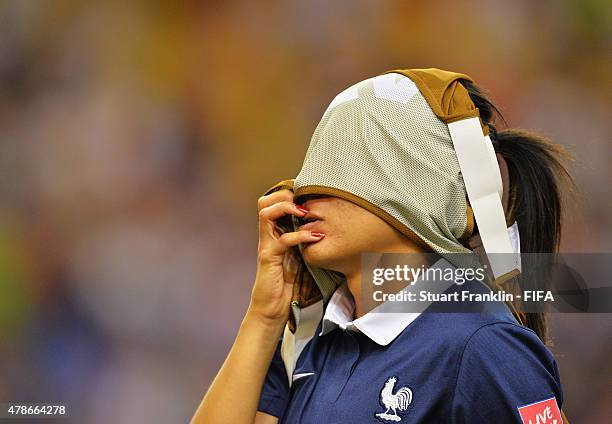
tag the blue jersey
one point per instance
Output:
(435, 367)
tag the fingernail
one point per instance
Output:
(301, 208)
(316, 234)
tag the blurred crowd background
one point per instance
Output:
(135, 138)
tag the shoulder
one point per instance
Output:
(502, 367)
(455, 330)
(505, 345)
(488, 340)
(458, 322)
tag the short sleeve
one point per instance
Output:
(275, 391)
(503, 367)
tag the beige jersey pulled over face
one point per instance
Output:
(384, 144)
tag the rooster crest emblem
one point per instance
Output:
(398, 401)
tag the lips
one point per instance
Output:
(309, 222)
(309, 225)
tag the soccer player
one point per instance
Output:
(407, 161)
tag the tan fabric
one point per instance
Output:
(448, 99)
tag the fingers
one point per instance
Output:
(268, 216)
(276, 197)
(289, 240)
(278, 210)
(271, 208)
(296, 237)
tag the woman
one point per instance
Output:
(397, 165)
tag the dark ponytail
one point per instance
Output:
(538, 180)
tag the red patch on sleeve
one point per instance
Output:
(543, 412)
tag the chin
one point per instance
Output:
(314, 254)
(320, 256)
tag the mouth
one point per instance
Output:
(307, 223)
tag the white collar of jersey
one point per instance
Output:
(380, 325)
